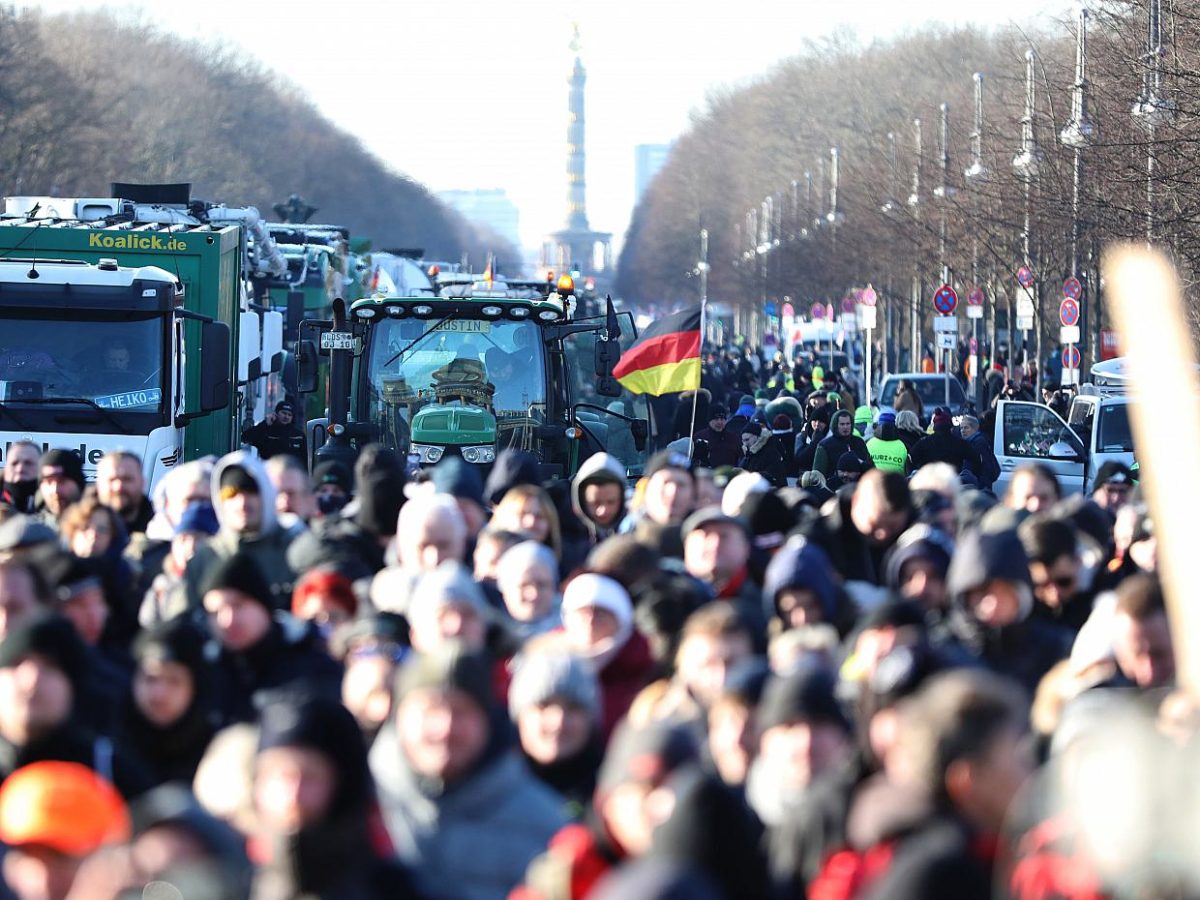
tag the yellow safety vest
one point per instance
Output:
(890, 456)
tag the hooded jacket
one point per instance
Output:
(1025, 649)
(472, 840)
(268, 546)
(943, 445)
(832, 446)
(599, 468)
(800, 564)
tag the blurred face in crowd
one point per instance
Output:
(453, 620)
(40, 873)
(983, 787)
(367, 685)
(845, 425)
(35, 698)
(732, 740)
(94, 537)
(1030, 491)
(603, 502)
(716, 552)
(119, 483)
(443, 732)
(967, 430)
(1144, 554)
(872, 517)
(1143, 650)
(293, 494)
(57, 490)
(848, 477)
(436, 539)
(799, 607)
(180, 495)
(184, 544)
(707, 492)
(1056, 583)
(632, 811)
(22, 463)
(529, 596)
(241, 510)
(323, 610)
(524, 514)
(488, 550)
(555, 730)
(923, 581)
(704, 662)
(238, 620)
(18, 601)
(996, 604)
(163, 690)
(1112, 496)
(670, 496)
(293, 787)
(88, 612)
(798, 752)
(589, 627)
(717, 424)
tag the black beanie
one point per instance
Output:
(178, 641)
(69, 575)
(451, 668)
(804, 695)
(52, 637)
(70, 462)
(239, 572)
(332, 472)
(379, 480)
(645, 755)
(294, 718)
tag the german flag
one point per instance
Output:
(666, 358)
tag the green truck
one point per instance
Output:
(85, 282)
(473, 370)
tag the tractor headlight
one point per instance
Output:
(482, 455)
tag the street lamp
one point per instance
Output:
(1027, 165)
(1077, 134)
(976, 175)
(1152, 111)
(914, 201)
(891, 205)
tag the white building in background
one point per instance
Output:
(490, 207)
(647, 160)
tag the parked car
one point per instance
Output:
(931, 388)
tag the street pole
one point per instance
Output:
(1027, 165)
(834, 216)
(889, 208)
(944, 192)
(1152, 110)
(914, 201)
(702, 271)
(1077, 135)
(975, 175)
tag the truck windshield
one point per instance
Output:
(932, 391)
(1115, 434)
(496, 365)
(116, 363)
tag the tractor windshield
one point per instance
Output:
(493, 365)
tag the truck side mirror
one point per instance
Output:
(608, 354)
(214, 370)
(295, 314)
(307, 365)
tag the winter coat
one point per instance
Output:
(767, 457)
(268, 546)
(290, 653)
(724, 446)
(989, 467)
(800, 563)
(472, 840)
(171, 753)
(831, 448)
(72, 742)
(277, 439)
(851, 553)
(945, 446)
(622, 679)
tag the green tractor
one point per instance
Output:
(472, 370)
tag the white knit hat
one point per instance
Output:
(602, 592)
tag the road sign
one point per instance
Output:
(818, 311)
(1025, 277)
(947, 341)
(868, 315)
(1070, 357)
(1068, 311)
(1069, 376)
(974, 312)
(945, 300)
(1072, 288)
(848, 304)
(1024, 323)
(869, 297)
(973, 345)
(1068, 334)
(788, 311)
(849, 321)
(1025, 303)
(947, 324)
(976, 297)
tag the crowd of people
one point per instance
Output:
(833, 679)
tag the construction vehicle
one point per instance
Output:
(96, 290)
(479, 367)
